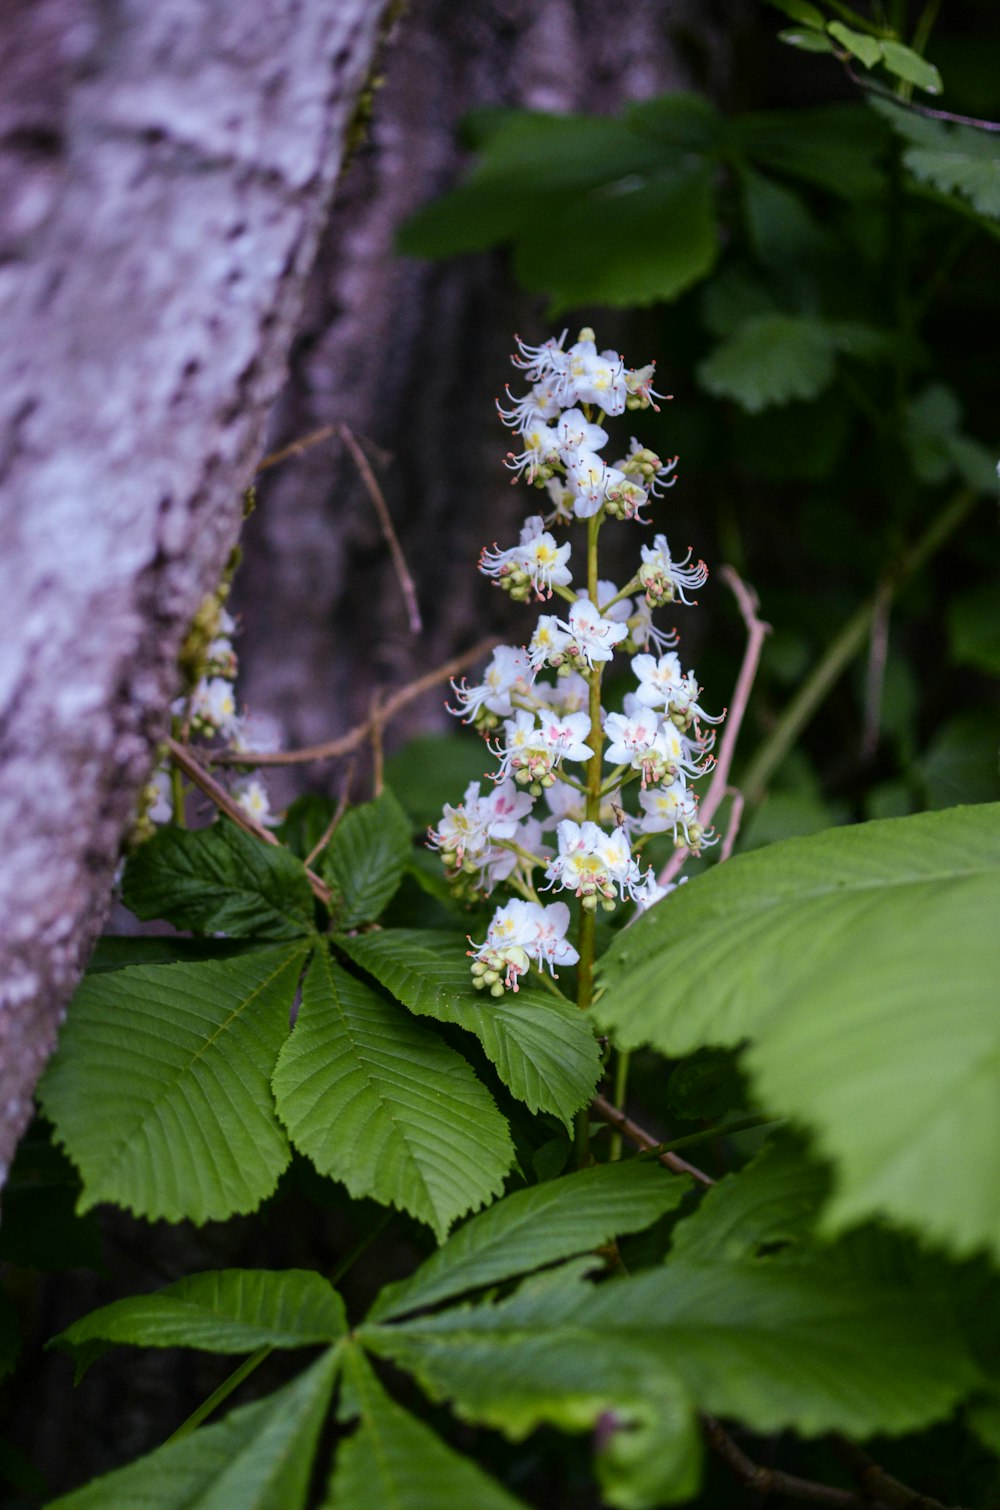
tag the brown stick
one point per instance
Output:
(195, 771)
(602, 1108)
(774, 1480)
(757, 632)
(314, 438)
(385, 520)
(345, 743)
(334, 823)
(878, 1484)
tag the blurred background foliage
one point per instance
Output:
(819, 282)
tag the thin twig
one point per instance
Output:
(878, 655)
(385, 520)
(195, 771)
(757, 632)
(305, 443)
(334, 823)
(603, 1109)
(878, 1484)
(773, 1480)
(910, 106)
(345, 743)
(378, 754)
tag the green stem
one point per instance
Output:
(844, 647)
(707, 1134)
(621, 1091)
(217, 1396)
(177, 780)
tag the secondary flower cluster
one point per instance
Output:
(210, 712)
(538, 705)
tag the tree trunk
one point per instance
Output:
(165, 172)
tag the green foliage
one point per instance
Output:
(367, 858)
(219, 880)
(259, 1457)
(385, 1106)
(535, 1227)
(179, 1059)
(223, 1311)
(391, 1461)
(828, 953)
(543, 1049)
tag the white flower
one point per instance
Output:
(672, 808)
(536, 559)
(665, 580)
(213, 706)
(564, 734)
(659, 679)
(159, 796)
(466, 834)
(571, 694)
(631, 737)
(590, 480)
(595, 865)
(641, 393)
(655, 475)
(524, 753)
(509, 671)
(542, 403)
(577, 434)
(251, 794)
(539, 363)
(519, 933)
(594, 378)
(548, 643)
(256, 731)
(642, 630)
(592, 636)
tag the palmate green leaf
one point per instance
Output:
(568, 1376)
(772, 359)
(160, 1088)
(259, 1457)
(957, 160)
(858, 43)
(544, 1050)
(392, 1461)
(535, 1227)
(862, 964)
(775, 1346)
(367, 858)
(222, 1311)
(219, 880)
(385, 1106)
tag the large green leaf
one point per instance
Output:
(836, 147)
(392, 1461)
(862, 964)
(160, 1088)
(957, 160)
(367, 858)
(544, 1049)
(772, 359)
(219, 880)
(223, 1311)
(535, 1227)
(385, 1106)
(775, 1346)
(259, 1458)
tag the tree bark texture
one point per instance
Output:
(412, 354)
(165, 173)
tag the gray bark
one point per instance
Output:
(165, 172)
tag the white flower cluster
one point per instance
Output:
(539, 725)
(210, 711)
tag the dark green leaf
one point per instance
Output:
(974, 626)
(831, 146)
(219, 880)
(961, 762)
(544, 1049)
(535, 1227)
(259, 1458)
(306, 821)
(957, 160)
(392, 1461)
(909, 65)
(858, 44)
(775, 1200)
(707, 1085)
(178, 1059)
(770, 360)
(223, 1311)
(800, 10)
(857, 961)
(805, 41)
(367, 858)
(385, 1106)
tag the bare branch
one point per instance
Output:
(195, 771)
(602, 1108)
(296, 447)
(357, 736)
(757, 632)
(385, 520)
(772, 1480)
(878, 1484)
